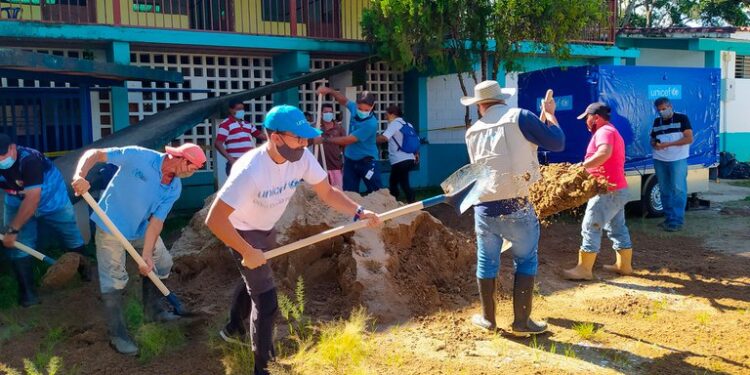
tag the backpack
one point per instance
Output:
(411, 139)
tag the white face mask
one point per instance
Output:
(240, 115)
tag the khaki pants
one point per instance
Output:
(111, 256)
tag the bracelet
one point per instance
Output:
(358, 214)
(9, 230)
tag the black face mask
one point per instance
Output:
(288, 153)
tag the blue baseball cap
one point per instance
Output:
(287, 118)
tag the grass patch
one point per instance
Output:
(741, 183)
(293, 311)
(133, 312)
(342, 348)
(8, 290)
(154, 339)
(570, 352)
(586, 331)
(703, 318)
(53, 367)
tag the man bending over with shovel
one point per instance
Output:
(137, 200)
(34, 192)
(505, 139)
(248, 206)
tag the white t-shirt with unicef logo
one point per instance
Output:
(259, 189)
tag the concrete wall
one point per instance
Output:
(736, 138)
(670, 57)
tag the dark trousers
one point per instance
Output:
(366, 170)
(400, 177)
(255, 297)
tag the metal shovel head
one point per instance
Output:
(465, 186)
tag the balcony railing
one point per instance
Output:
(322, 19)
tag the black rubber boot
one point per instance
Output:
(25, 276)
(523, 293)
(85, 269)
(152, 307)
(118, 332)
(487, 296)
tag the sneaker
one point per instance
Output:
(236, 339)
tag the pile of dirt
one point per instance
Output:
(411, 265)
(564, 186)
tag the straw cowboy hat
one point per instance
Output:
(488, 91)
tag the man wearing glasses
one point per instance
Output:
(246, 209)
(137, 199)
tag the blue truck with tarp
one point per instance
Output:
(630, 91)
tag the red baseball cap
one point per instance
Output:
(190, 151)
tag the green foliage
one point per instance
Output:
(300, 326)
(678, 13)
(154, 339)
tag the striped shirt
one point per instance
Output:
(237, 136)
(670, 131)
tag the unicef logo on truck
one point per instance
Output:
(564, 103)
(671, 92)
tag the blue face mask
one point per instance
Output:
(328, 116)
(362, 114)
(239, 115)
(7, 163)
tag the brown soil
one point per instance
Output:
(686, 310)
(62, 272)
(563, 187)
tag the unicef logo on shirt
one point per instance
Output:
(665, 91)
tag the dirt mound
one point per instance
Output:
(64, 270)
(409, 266)
(564, 186)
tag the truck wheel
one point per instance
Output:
(651, 199)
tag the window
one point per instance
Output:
(742, 67)
(278, 11)
(160, 6)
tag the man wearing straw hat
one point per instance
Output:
(246, 209)
(505, 139)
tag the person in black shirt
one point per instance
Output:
(671, 137)
(34, 191)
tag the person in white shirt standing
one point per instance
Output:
(236, 136)
(248, 206)
(671, 137)
(402, 162)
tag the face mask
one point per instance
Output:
(667, 113)
(239, 115)
(361, 114)
(290, 154)
(7, 163)
(328, 116)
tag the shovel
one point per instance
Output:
(171, 297)
(462, 189)
(60, 273)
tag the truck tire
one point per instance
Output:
(651, 199)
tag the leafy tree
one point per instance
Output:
(477, 37)
(677, 13)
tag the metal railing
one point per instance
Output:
(322, 19)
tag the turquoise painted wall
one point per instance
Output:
(738, 144)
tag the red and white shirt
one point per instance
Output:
(237, 136)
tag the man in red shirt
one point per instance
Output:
(605, 157)
(235, 135)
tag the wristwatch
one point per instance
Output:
(9, 230)
(358, 214)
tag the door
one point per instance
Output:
(69, 11)
(322, 18)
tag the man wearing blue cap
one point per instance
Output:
(248, 206)
(34, 191)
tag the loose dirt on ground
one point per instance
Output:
(686, 310)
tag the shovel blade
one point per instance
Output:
(465, 186)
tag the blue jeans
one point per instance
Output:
(358, 170)
(520, 228)
(672, 178)
(63, 221)
(607, 212)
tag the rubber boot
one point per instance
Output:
(623, 264)
(25, 276)
(486, 320)
(153, 310)
(523, 294)
(118, 332)
(85, 269)
(583, 270)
